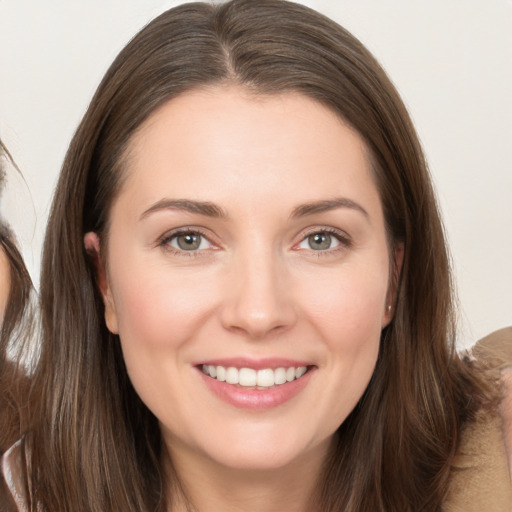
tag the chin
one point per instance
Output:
(263, 461)
(264, 453)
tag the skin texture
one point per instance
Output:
(255, 288)
(5, 280)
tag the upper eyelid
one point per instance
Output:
(168, 235)
(343, 235)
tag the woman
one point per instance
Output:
(246, 295)
(15, 290)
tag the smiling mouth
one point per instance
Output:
(255, 379)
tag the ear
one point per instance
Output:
(394, 278)
(92, 246)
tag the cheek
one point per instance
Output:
(159, 310)
(350, 302)
(159, 316)
(347, 311)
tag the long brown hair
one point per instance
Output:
(14, 327)
(93, 444)
(15, 336)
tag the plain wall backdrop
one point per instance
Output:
(451, 60)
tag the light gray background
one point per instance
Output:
(450, 59)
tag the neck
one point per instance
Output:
(205, 486)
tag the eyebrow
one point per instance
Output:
(212, 210)
(304, 210)
(201, 207)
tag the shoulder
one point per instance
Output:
(481, 474)
(480, 478)
(506, 410)
(496, 350)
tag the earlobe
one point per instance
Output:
(92, 246)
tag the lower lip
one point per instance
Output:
(256, 399)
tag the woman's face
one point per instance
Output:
(247, 240)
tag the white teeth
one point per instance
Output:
(300, 371)
(248, 377)
(279, 376)
(232, 375)
(221, 373)
(266, 378)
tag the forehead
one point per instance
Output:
(226, 143)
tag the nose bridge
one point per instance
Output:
(259, 302)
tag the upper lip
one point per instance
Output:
(256, 364)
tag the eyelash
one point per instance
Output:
(164, 241)
(341, 237)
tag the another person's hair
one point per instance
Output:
(93, 444)
(15, 329)
(12, 327)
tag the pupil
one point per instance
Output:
(320, 241)
(189, 241)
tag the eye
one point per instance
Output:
(187, 241)
(320, 241)
(324, 240)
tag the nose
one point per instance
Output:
(259, 300)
